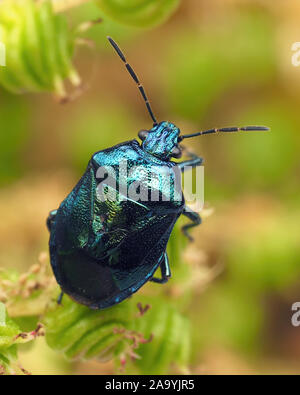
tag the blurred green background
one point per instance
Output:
(213, 63)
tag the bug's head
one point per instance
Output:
(161, 141)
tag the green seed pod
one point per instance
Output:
(170, 347)
(140, 13)
(81, 333)
(38, 48)
(125, 332)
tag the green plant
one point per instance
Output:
(10, 337)
(40, 48)
(147, 333)
(140, 13)
(40, 44)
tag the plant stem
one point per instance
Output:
(64, 5)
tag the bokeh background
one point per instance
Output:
(213, 63)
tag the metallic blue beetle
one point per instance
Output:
(104, 250)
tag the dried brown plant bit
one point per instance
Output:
(40, 331)
(77, 92)
(23, 278)
(85, 26)
(43, 258)
(28, 336)
(35, 269)
(123, 361)
(22, 335)
(24, 371)
(135, 337)
(143, 310)
(3, 296)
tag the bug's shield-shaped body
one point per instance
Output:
(101, 250)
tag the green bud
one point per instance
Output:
(39, 48)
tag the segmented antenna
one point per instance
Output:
(134, 77)
(226, 130)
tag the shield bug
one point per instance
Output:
(105, 241)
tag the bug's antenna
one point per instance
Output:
(134, 77)
(226, 130)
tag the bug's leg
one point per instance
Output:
(194, 217)
(194, 161)
(51, 219)
(60, 299)
(165, 271)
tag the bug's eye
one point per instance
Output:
(176, 153)
(143, 134)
